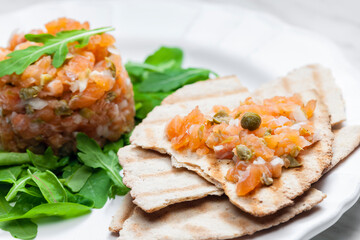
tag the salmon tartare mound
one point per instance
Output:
(46, 106)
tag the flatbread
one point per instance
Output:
(136, 160)
(124, 212)
(346, 140)
(204, 94)
(155, 184)
(208, 218)
(305, 78)
(206, 89)
(265, 200)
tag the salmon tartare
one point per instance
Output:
(46, 106)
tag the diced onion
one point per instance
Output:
(259, 161)
(297, 126)
(277, 161)
(299, 115)
(102, 73)
(218, 148)
(280, 121)
(37, 103)
(114, 50)
(79, 85)
(234, 122)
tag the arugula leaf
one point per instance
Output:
(72, 167)
(19, 185)
(172, 80)
(47, 161)
(117, 191)
(50, 186)
(53, 45)
(97, 188)
(25, 203)
(137, 69)
(10, 174)
(77, 198)
(148, 102)
(63, 209)
(78, 179)
(22, 228)
(4, 206)
(32, 191)
(12, 158)
(166, 58)
(163, 59)
(92, 156)
(114, 146)
(126, 138)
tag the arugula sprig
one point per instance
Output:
(57, 46)
(159, 76)
(47, 185)
(92, 156)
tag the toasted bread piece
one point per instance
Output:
(124, 212)
(346, 140)
(206, 89)
(305, 78)
(209, 218)
(155, 184)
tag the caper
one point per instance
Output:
(86, 112)
(295, 151)
(110, 64)
(250, 121)
(267, 132)
(266, 180)
(243, 152)
(29, 92)
(63, 109)
(290, 161)
(110, 96)
(221, 116)
(37, 121)
(29, 109)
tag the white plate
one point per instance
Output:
(229, 40)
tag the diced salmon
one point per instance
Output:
(284, 129)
